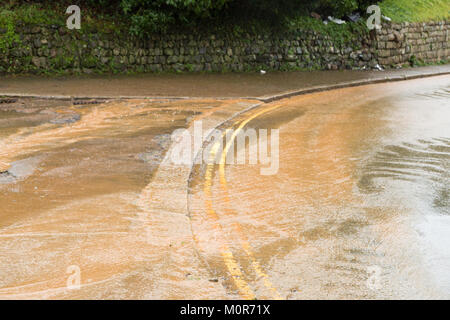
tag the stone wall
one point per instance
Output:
(398, 44)
(57, 49)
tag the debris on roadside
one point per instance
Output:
(7, 100)
(86, 102)
(354, 17)
(335, 20)
(378, 67)
(386, 18)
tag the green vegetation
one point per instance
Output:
(416, 10)
(143, 17)
(238, 18)
(32, 14)
(149, 16)
(339, 33)
(9, 35)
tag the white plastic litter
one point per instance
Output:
(337, 21)
(263, 72)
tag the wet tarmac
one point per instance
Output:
(69, 194)
(359, 207)
(196, 85)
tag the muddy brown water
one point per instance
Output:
(69, 192)
(358, 209)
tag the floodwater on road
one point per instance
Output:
(70, 182)
(359, 207)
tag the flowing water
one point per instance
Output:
(70, 182)
(358, 209)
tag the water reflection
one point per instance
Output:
(363, 184)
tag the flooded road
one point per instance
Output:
(359, 207)
(70, 188)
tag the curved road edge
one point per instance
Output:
(370, 78)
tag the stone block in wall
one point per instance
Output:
(306, 50)
(391, 45)
(441, 54)
(381, 45)
(39, 62)
(290, 58)
(430, 55)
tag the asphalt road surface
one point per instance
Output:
(356, 204)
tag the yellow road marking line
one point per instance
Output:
(228, 258)
(244, 242)
(230, 262)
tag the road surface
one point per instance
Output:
(92, 207)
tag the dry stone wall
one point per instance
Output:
(399, 44)
(51, 49)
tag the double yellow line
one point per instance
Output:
(230, 262)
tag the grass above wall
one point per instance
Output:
(15, 14)
(37, 14)
(416, 10)
(54, 14)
